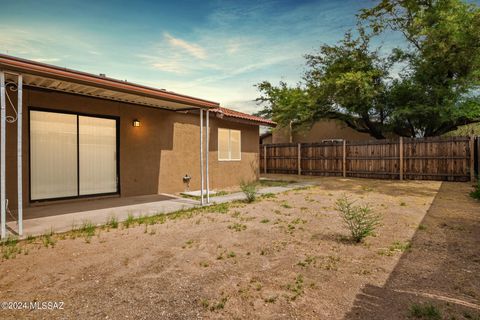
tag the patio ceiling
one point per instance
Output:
(50, 77)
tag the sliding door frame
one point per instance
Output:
(78, 114)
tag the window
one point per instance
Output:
(229, 144)
(72, 155)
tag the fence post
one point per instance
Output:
(472, 158)
(344, 160)
(265, 158)
(400, 151)
(478, 156)
(299, 158)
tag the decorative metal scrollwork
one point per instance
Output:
(12, 86)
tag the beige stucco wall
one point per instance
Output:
(184, 156)
(321, 130)
(153, 157)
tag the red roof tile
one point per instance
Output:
(244, 116)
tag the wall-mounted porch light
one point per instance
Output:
(136, 123)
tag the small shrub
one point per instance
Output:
(425, 311)
(476, 191)
(361, 221)
(250, 191)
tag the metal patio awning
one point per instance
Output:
(51, 77)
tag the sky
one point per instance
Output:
(216, 50)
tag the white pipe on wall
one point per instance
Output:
(3, 123)
(19, 154)
(201, 157)
(208, 149)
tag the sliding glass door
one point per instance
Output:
(72, 155)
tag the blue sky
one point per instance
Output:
(215, 50)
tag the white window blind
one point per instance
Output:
(98, 155)
(53, 155)
(229, 144)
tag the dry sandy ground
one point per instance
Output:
(279, 258)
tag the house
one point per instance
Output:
(325, 129)
(68, 135)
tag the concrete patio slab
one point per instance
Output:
(58, 223)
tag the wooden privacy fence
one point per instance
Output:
(436, 158)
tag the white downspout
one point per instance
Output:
(208, 149)
(2, 154)
(201, 157)
(19, 154)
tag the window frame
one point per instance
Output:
(229, 159)
(77, 114)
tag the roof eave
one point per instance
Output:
(40, 69)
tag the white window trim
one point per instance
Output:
(229, 145)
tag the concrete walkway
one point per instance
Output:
(66, 222)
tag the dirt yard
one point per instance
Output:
(283, 257)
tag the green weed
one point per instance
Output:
(425, 311)
(237, 227)
(112, 222)
(296, 287)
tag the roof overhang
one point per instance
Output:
(238, 116)
(50, 77)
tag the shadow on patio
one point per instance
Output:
(441, 269)
(51, 209)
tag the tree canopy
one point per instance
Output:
(426, 86)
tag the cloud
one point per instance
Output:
(192, 49)
(170, 66)
(46, 60)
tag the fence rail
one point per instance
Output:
(439, 158)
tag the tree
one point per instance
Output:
(350, 79)
(285, 105)
(434, 92)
